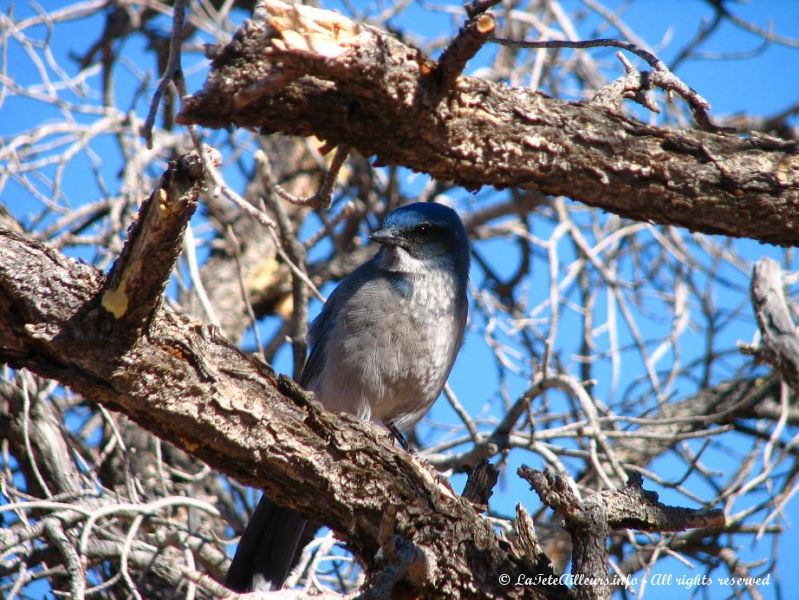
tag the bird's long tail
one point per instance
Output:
(266, 549)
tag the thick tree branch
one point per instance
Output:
(308, 72)
(185, 384)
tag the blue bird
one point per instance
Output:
(382, 349)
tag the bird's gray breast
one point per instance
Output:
(395, 339)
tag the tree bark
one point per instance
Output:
(111, 339)
(177, 378)
(307, 72)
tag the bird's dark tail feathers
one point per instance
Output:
(266, 549)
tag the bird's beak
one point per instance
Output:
(389, 237)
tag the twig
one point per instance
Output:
(324, 197)
(211, 159)
(123, 559)
(478, 7)
(661, 77)
(172, 72)
(245, 295)
(471, 37)
(299, 290)
(780, 346)
(461, 412)
(77, 581)
(190, 254)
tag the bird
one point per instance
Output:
(382, 349)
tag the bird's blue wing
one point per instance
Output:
(323, 325)
(317, 335)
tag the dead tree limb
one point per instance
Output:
(780, 347)
(590, 520)
(180, 380)
(304, 71)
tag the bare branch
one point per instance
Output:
(780, 341)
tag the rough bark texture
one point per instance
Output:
(99, 499)
(182, 382)
(590, 520)
(316, 73)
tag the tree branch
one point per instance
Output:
(589, 522)
(780, 346)
(185, 384)
(134, 288)
(306, 72)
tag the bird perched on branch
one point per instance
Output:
(382, 349)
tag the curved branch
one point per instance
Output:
(780, 346)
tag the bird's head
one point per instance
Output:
(424, 235)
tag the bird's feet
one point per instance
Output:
(397, 435)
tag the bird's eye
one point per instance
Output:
(423, 229)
